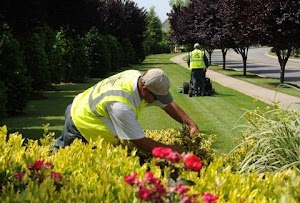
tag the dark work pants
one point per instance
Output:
(198, 80)
(70, 132)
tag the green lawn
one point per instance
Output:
(219, 114)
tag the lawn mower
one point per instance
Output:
(187, 88)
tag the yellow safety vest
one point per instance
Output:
(89, 107)
(197, 59)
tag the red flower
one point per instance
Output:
(161, 152)
(38, 164)
(209, 198)
(19, 176)
(192, 162)
(144, 194)
(131, 179)
(174, 157)
(56, 176)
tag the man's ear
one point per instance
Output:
(144, 89)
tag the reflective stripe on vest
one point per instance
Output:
(197, 59)
(93, 102)
(88, 108)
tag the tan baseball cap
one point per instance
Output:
(196, 45)
(157, 81)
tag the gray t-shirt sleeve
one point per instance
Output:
(124, 121)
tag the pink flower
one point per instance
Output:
(131, 179)
(56, 176)
(174, 157)
(161, 152)
(144, 194)
(189, 199)
(48, 165)
(181, 189)
(192, 162)
(209, 198)
(160, 189)
(38, 164)
(19, 176)
(149, 177)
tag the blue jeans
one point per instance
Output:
(69, 133)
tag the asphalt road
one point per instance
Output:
(261, 63)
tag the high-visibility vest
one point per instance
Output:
(197, 59)
(88, 108)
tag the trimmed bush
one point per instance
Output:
(13, 74)
(3, 100)
(95, 172)
(37, 63)
(98, 53)
(116, 52)
(79, 70)
(128, 52)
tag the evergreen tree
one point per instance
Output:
(16, 84)
(98, 53)
(153, 33)
(37, 63)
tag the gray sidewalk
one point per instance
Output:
(286, 102)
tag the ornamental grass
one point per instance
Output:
(270, 141)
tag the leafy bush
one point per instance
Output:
(2, 100)
(90, 173)
(13, 74)
(95, 173)
(79, 64)
(199, 144)
(173, 189)
(37, 63)
(57, 63)
(128, 52)
(116, 52)
(98, 53)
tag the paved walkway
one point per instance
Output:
(266, 95)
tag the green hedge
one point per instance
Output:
(95, 173)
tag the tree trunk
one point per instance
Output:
(224, 52)
(244, 53)
(282, 59)
(209, 51)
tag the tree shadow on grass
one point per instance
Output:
(220, 94)
(157, 63)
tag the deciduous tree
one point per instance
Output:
(281, 21)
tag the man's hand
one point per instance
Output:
(193, 130)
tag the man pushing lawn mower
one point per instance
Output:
(198, 62)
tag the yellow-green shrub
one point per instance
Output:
(92, 174)
(199, 144)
